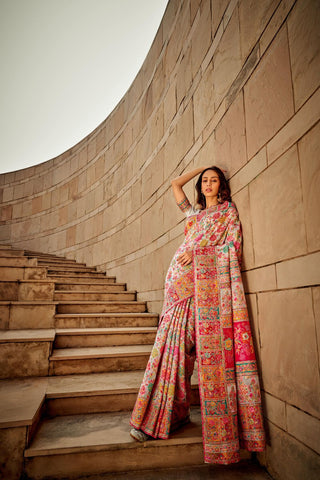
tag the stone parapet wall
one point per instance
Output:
(227, 82)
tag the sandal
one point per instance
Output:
(139, 435)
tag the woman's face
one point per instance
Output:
(210, 184)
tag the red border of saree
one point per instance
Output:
(228, 378)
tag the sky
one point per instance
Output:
(65, 65)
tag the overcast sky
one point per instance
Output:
(65, 64)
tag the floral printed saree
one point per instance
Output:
(205, 317)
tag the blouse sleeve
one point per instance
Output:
(191, 211)
(186, 207)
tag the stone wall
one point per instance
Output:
(227, 82)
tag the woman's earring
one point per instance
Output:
(219, 197)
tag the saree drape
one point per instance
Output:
(205, 317)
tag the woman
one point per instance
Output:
(204, 316)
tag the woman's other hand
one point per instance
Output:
(185, 258)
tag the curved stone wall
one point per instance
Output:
(227, 82)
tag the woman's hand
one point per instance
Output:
(185, 258)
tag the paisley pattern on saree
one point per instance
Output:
(204, 309)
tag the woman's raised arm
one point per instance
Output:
(177, 184)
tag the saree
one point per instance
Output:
(205, 318)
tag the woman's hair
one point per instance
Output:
(224, 189)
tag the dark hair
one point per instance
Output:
(224, 189)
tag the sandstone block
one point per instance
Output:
(275, 410)
(302, 121)
(204, 100)
(304, 42)
(277, 211)
(260, 279)
(254, 16)
(29, 291)
(250, 171)
(27, 359)
(288, 459)
(242, 202)
(269, 90)
(304, 427)
(218, 8)
(227, 59)
(24, 316)
(4, 316)
(230, 144)
(288, 348)
(13, 443)
(8, 290)
(184, 77)
(309, 155)
(299, 272)
(201, 38)
(316, 308)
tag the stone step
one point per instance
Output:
(101, 307)
(68, 361)
(98, 392)
(103, 337)
(69, 446)
(26, 352)
(7, 252)
(103, 286)
(68, 296)
(107, 320)
(58, 262)
(73, 269)
(74, 276)
(24, 315)
(44, 255)
(27, 290)
(22, 273)
(246, 469)
(92, 393)
(18, 262)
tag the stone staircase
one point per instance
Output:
(74, 344)
(73, 347)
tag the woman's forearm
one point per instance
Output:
(186, 177)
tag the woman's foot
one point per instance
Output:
(138, 435)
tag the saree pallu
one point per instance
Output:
(205, 315)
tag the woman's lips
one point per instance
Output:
(208, 190)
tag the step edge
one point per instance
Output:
(31, 453)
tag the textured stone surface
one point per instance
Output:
(304, 42)
(25, 359)
(32, 315)
(304, 426)
(253, 18)
(276, 206)
(289, 354)
(309, 155)
(269, 90)
(227, 59)
(242, 203)
(274, 410)
(230, 145)
(20, 400)
(288, 459)
(316, 307)
(12, 442)
(299, 272)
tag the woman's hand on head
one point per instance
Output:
(185, 258)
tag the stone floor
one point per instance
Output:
(242, 471)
